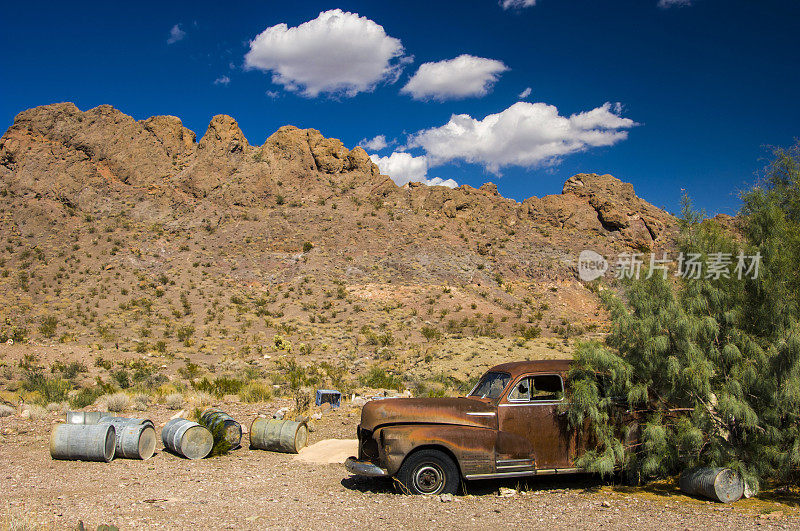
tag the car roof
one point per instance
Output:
(516, 368)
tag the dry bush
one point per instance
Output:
(174, 401)
(57, 407)
(141, 402)
(201, 399)
(6, 411)
(34, 412)
(115, 403)
(255, 392)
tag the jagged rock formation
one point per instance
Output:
(115, 224)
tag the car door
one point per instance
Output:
(531, 410)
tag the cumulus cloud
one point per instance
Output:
(405, 168)
(525, 93)
(525, 134)
(666, 4)
(374, 144)
(337, 53)
(176, 34)
(517, 4)
(222, 80)
(462, 77)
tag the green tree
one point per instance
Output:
(709, 368)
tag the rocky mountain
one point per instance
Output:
(306, 237)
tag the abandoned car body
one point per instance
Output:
(510, 425)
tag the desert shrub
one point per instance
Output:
(377, 378)
(122, 377)
(255, 392)
(431, 332)
(140, 401)
(68, 370)
(43, 389)
(117, 402)
(201, 399)
(56, 407)
(48, 326)
(35, 411)
(219, 387)
(174, 401)
(86, 396)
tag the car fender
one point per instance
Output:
(473, 448)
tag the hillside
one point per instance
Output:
(125, 239)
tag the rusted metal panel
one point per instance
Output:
(472, 447)
(458, 411)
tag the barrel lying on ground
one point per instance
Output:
(720, 484)
(125, 421)
(136, 438)
(278, 435)
(187, 438)
(92, 442)
(219, 422)
(86, 417)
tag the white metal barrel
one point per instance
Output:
(278, 435)
(92, 442)
(187, 438)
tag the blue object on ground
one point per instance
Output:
(331, 396)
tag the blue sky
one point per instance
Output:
(667, 97)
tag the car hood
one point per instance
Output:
(459, 411)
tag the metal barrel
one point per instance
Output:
(118, 422)
(278, 435)
(135, 441)
(92, 442)
(187, 438)
(719, 484)
(86, 417)
(231, 430)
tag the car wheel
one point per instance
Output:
(429, 472)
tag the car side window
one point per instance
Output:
(539, 388)
(547, 387)
(522, 391)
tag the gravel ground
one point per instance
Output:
(254, 489)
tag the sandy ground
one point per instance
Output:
(254, 489)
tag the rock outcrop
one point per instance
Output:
(86, 158)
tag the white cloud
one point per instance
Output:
(176, 34)
(274, 94)
(462, 77)
(517, 4)
(336, 53)
(405, 168)
(666, 4)
(222, 80)
(525, 134)
(374, 144)
(525, 93)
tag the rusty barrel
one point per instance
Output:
(86, 417)
(216, 419)
(278, 435)
(720, 484)
(187, 438)
(136, 438)
(90, 442)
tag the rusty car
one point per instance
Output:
(512, 424)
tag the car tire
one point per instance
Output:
(428, 472)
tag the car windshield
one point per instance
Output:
(491, 385)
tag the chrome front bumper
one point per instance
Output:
(364, 468)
